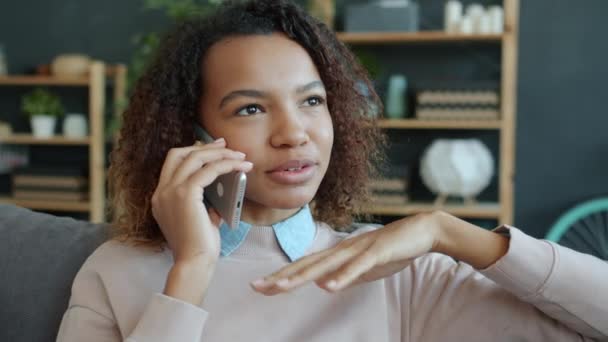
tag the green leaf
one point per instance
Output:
(41, 101)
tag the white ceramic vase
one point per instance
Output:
(43, 126)
(458, 167)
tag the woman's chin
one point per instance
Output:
(290, 202)
(285, 200)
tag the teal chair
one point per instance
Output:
(584, 228)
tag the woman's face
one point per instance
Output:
(264, 95)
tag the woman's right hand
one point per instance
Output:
(191, 229)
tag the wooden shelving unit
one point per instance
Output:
(95, 81)
(28, 139)
(68, 206)
(439, 124)
(19, 80)
(503, 210)
(415, 37)
(480, 210)
(114, 72)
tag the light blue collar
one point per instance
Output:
(295, 234)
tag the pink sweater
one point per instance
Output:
(539, 291)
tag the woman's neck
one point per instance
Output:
(258, 215)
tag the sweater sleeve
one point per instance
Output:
(90, 317)
(169, 319)
(567, 285)
(538, 291)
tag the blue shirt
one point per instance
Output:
(294, 234)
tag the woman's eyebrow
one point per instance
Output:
(309, 86)
(261, 94)
(245, 93)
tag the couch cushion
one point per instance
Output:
(40, 255)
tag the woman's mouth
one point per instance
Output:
(293, 172)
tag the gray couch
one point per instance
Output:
(39, 256)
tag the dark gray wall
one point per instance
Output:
(562, 137)
(34, 31)
(562, 144)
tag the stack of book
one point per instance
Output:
(460, 102)
(50, 184)
(391, 188)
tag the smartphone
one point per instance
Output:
(226, 193)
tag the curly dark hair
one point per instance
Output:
(165, 101)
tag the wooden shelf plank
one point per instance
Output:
(47, 205)
(480, 210)
(439, 124)
(413, 37)
(28, 139)
(33, 80)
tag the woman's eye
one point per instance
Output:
(314, 101)
(249, 110)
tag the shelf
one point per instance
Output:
(439, 124)
(413, 37)
(47, 205)
(48, 80)
(28, 139)
(480, 210)
(34, 80)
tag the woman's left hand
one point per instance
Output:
(388, 250)
(363, 258)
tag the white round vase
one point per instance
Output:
(457, 167)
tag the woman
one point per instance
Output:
(277, 89)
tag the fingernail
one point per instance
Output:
(241, 155)
(258, 282)
(220, 140)
(198, 143)
(332, 284)
(248, 164)
(283, 282)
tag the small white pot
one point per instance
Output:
(75, 126)
(43, 126)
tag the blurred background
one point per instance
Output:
(494, 109)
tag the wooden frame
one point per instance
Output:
(95, 81)
(509, 110)
(97, 153)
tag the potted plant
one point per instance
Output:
(43, 108)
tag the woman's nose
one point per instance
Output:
(289, 129)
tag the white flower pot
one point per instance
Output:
(43, 126)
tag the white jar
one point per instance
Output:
(75, 125)
(497, 21)
(484, 24)
(466, 25)
(452, 16)
(476, 13)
